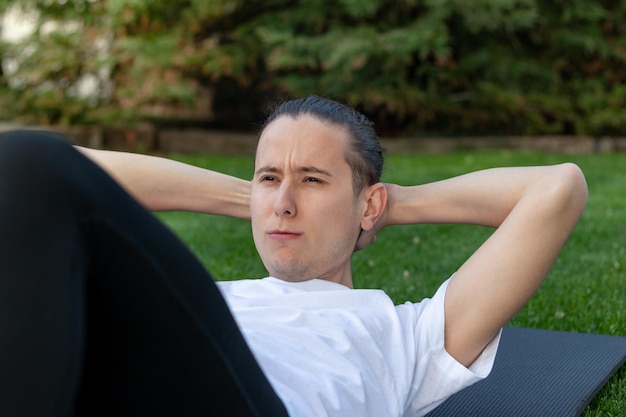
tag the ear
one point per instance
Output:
(375, 197)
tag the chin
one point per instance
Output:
(291, 274)
(289, 269)
(289, 279)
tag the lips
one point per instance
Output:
(283, 234)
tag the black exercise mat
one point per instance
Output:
(540, 373)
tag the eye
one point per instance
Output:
(313, 179)
(267, 178)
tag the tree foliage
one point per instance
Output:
(445, 66)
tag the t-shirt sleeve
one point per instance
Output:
(437, 375)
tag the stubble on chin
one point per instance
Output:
(290, 270)
(291, 275)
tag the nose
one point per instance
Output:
(284, 203)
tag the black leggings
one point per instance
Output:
(103, 311)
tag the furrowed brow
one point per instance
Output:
(267, 170)
(305, 169)
(314, 170)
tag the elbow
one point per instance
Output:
(577, 184)
(572, 188)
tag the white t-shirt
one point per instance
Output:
(333, 351)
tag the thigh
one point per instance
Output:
(160, 338)
(148, 327)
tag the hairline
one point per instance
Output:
(350, 155)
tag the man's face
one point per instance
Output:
(305, 216)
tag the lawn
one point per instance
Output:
(584, 292)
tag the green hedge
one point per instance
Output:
(415, 66)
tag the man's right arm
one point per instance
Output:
(162, 184)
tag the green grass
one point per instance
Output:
(584, 292)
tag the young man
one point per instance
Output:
(314, 198)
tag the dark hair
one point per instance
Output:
(365, 156)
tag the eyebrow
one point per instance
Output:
(304, 169)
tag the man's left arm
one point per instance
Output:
(533, 209)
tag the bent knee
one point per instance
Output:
(27, 150)
(31, 142)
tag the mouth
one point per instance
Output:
(283, 235)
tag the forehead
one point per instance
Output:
(304, 140)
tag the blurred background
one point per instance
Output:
(418, 68)
(482, 83)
